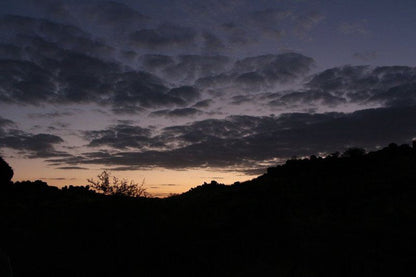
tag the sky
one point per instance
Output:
(174, 93)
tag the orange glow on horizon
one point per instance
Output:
(159, 182)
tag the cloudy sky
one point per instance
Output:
(178, 92)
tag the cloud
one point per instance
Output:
(51, 115)
(259, 73)
(401, 95)
(56, 63)
(275, 65)
(386, 85)
(188, 68)
(66, 77)
(240, 99)
(184, 112)
(169, 185)
(25, 82)
(56, 75)
(72, 168)
(269, 70)
(76, 78)
(121, 136)
(155, 62)
(33, 145)
(311, 98)
(186, 93)
(231, 127)
(139, 87)
(4, 122)
(57, 178)
(245, 142)
(203, 104)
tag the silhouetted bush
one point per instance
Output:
(354, 152)
(120, 187)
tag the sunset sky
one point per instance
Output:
(181, 92)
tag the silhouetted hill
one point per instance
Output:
(342, 215)
(6, 172)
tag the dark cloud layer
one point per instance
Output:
(52, 70)
(273, 69)
(76, 78)
(4, 122)
(29, 144)
(311, 98)
(120, 137)
(185, 68)
(388, 85)
(32, 145)
(185, 112)
(47, 62)
(261, 72)
(72, 168)
(239, 141)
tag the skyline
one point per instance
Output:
(181, 92)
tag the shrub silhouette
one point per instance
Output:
(354, 152)
(121, 187)
(6, 172)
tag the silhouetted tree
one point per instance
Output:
(117, 186)
(354, 152)
(6, 172)
(334, 155)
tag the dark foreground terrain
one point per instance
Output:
(348, 215)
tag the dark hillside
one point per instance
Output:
(343, 215)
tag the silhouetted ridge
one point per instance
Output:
(350, 214)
